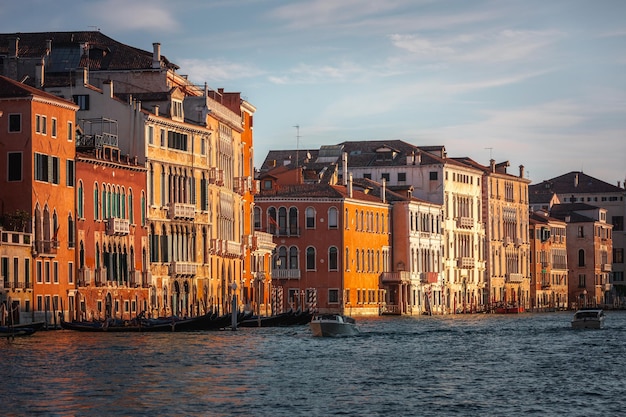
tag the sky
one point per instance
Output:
(533, 82)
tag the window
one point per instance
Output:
(581, 257)
(70, 131)
(55, 272)
(385, 176)
(46, 168)
(618, 223)
(310, 259)
(332, 218)
(257, 218)
(618, 255)
(163, 137)
(582, 281)
(80, 205)
(15, 166)
(38, 272)
(368, 176)
(82, 101)
(53, 128)
(581, 231)
(70, 232)
(70, 272)
(433, 175)
(267, 184)
(44, 125)
(15, 123)
(401, 176)
(177, 108)
(176, 140)
(151, 135)
(69, 179)
(310, 218)
(332, 259)
(333, 296)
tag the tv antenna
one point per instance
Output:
(297, 143)
(490, 153)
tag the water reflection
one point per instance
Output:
(462, 365)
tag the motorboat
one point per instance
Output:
(332, 325)
(588, 318)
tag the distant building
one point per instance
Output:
(578, 187)
(589, 249)
(549, 283)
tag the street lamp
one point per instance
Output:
(585, 297)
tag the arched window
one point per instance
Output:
(80, 208)
(131, 215)
(96, 198)
(162, 185)
(143, 209)
(332, 258)
(282, 221)
(347, 259)
(281, 261)
(257, 218)
(293, 258)
(581, 257)
(272, 223)
(332, 218)
(293, 221)
(104, 202)
(310, 218)
(123, 213)
(70, 231)
(310, 258)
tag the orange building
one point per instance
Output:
(38, 151)
(112, 243)
(332, 244)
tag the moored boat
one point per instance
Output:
(207, 321)
(589, 318)
(12, 331)
(332, 325)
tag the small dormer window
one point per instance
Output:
(177, 108)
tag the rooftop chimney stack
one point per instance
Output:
(344, 157)
(521, 171)
(349, 185)
(576, 180)
(39, 74)
(383, 191)
(156, 55)
(492, 165)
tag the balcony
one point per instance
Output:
(607, 287)
(514, 277)
(15, 238)
(12, 285)
(395, 277)
(430, 277)
(465, 263)
(183, 268)
(181, 211)
(216, 176)
(606, 267)
(232, 249)
(546, 285)
(262, 241)
(46, 248)
(100, 277)
(285, 273)
(242, 185)
(117, 227)
(464, 222)
(84, 277)
(256, 187)
(216, 246)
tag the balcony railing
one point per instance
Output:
(12, 285)
(514, 277)
(606, 267)
(216, 176)
(285, 273)
(183, 268)
(546, 284)
(181, 211)
(84, 277)
(15, 238)
(117, 227)
(46, 247)
(465, 262)
(233, 248)
(395, 277)
(430, 277)
(465, 222)
(262, 241)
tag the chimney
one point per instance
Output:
(492, 165)
(107, 88)
(156, 110)
(349, 185)
(206, 89)
(82, 76)
(344, 157)
(383, 191)
(575, 180)
(14, 44)
(521, 171)
(39, 74)
(156, 55)
(48, 46)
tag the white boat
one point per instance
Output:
(588, 318)
(331, 325)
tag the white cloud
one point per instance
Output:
(136, 15)
(215, 70)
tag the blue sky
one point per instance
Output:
(539, 83)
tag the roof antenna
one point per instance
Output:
(95, 28)
(490, 153)
(297, 142)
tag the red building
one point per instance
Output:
(112, 243)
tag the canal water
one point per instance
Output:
(473, 365)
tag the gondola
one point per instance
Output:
(12, 331)
(288, 318)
